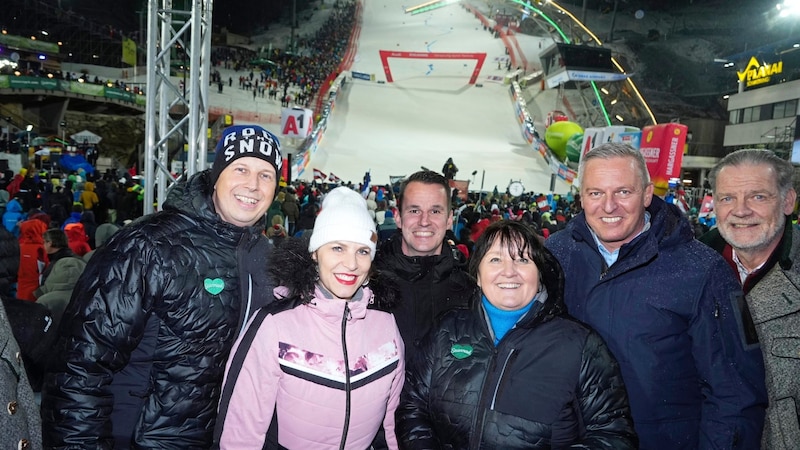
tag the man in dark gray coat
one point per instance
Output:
(753, 199)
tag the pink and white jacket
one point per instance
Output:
(289, 367)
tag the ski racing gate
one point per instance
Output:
(386, 54)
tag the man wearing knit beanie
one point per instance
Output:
(344, 217)
(245, 173)
(165, 299)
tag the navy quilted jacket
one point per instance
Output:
(668, 311)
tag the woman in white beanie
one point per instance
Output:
(323, 366)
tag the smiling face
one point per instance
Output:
(750, 211)
(343, 267)
(614, 200)
(244, 191)
(424, 218)
(509, 281)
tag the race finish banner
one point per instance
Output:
(385, 55)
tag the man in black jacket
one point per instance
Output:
(431, 270)
(144, 340)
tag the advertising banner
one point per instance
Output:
(120, 94)
(86, 88)
(361, 76)
(296, 122)
(662, 147)
(33, 83)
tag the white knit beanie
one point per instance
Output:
(344, 217)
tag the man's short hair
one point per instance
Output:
(615, 150)
(427, 177)
(56, 237)
(784, 170)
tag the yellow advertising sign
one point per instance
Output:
(756, 73)
(129, 51)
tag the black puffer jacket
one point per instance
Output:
(149, 328)
(550, 383)
(429, 286)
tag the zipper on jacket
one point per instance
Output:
(248, 305)
(511, 356)
(477, 424)
(345, 317)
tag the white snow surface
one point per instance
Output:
(430, 112)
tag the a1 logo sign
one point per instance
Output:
(296, 122)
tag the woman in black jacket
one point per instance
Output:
(514, 371)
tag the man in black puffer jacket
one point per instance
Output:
(430, 269)
(152, 319)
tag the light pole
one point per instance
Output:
(29, 128)
(63, 126)
(8, 134)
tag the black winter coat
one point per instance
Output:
(550, 383)
(150, 325)
(429, 286)
(9, 260)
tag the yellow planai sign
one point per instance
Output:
(756, 73)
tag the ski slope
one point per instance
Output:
(430, 112)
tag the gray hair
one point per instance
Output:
(784, 170)
(615, 150)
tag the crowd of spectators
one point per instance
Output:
(298, 73)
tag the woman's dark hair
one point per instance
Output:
(514, 236)
(56, 237)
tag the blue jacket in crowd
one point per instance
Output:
(667, 309)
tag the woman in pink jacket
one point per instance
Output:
(322, 367)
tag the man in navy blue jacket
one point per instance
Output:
(666, 307)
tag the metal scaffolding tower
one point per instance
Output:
(176, 115)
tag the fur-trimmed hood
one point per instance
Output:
(293, 268)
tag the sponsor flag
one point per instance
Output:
(542, 203)
(129, 51)
(707, 206)
(365, 185)
(462, 186)
(319, 175)
(662, 147)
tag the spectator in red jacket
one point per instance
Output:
(78, 241)
(32, 257)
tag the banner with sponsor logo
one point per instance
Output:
(662, 147)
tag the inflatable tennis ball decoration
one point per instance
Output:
(557, 136)
(574, 144)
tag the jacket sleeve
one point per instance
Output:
(389, 421)
(250, 387)
(414, 422)
(731, 372)
(603, 400)
(100, 328)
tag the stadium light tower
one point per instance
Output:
(788, 8)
